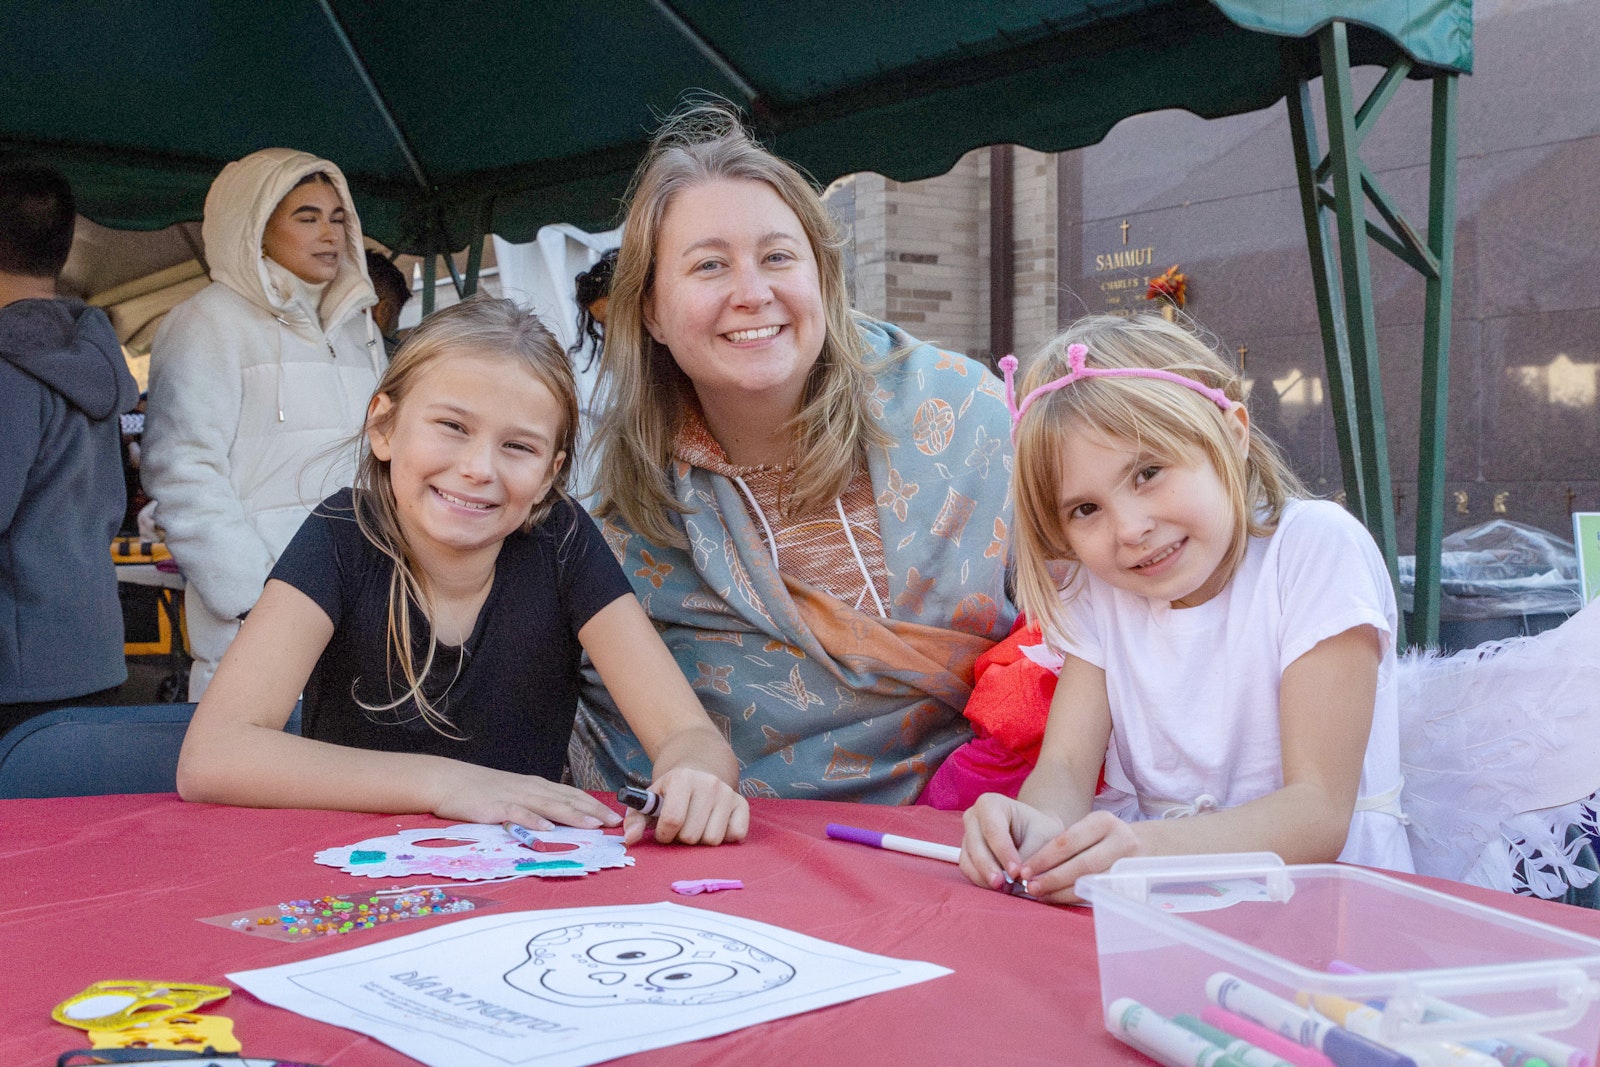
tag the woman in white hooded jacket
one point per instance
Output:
(256, 381)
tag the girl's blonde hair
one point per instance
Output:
(644, 394)
(482, 327)
(1163, 419)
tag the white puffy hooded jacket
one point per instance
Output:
(253, 392)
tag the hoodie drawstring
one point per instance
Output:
(866, 575)
(844, 521)
(372, 351)
(282, 325)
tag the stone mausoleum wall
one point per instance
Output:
(1219, 199)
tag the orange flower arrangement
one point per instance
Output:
(1171, 287)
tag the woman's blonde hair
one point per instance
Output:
(482, 327)
(644, 394)
(1163, 419)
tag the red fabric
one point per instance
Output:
(1011, 694)
(1009, 705)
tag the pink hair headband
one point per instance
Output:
(1077, 358)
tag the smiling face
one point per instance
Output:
(1160, 528)
(471, 449)
(736, 295)
(305, 232)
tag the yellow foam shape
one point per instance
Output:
(182, 1032)
(117, 1004)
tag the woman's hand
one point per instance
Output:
(696, 773)
(469, 793)
(697, 808)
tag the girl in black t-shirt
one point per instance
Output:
(433, 617)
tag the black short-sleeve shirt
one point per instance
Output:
(513, 701)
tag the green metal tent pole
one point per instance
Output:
(1376, 496)
(455, 275)
(717, 59)
(1436, 357)
(469, 284)
(465, 284)
(1325, 283)
(475, 247)
(358, 65)
(1345, 306)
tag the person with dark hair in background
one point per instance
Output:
(63, 385)
(393, 292)
(593, 291)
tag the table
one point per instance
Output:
(149, 564)
(93, 888)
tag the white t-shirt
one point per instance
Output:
(1194, 691)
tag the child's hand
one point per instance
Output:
(1007, 837)
(1000, 831)
(1088, 846)
(476, 794)
(697, 808)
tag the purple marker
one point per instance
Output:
(895, 843)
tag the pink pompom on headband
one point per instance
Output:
(1077, 359)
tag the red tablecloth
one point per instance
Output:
(98, 888)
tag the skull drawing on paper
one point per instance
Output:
(604, 964)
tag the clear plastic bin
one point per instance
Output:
(1441, 979)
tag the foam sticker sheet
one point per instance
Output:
(304, 918)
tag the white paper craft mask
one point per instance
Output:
(475, 851)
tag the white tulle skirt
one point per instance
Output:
(1500, 748)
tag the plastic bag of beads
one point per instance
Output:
(308, 918)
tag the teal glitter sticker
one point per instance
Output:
(368, 857)
(547, 865)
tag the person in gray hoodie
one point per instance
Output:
(63, 385)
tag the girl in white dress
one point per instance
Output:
(1226, 645)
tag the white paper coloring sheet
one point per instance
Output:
(575, 986)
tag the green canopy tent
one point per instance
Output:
(455, 121)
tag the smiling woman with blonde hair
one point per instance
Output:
(811, 505)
